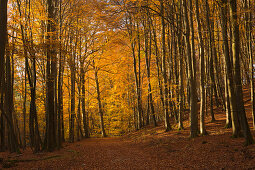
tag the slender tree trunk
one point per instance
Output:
(249, 29)
(210, 62)
(158, 65)
(100, 109)
(193, 58)
(60, 100)
(24, 110)
(181, 65)
(137, 73)
(181, 90)
(166, 109)
(85, 124)
(139, 89)
(214, 61)
(147, 60)
(227, 100)
(60, 135)
(192, 80)
(72, 118)
(202, 73)
(230, 77)
(78, 120)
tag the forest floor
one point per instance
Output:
(149, 148)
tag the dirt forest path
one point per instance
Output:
(107, 153)
(149, 148)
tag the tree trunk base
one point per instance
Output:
(228, 126)
(204, 133)
(168, 129)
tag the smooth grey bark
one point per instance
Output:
(202, 73)
(237, 75)
(210, 63)
(227, 100)
(249, 28)
(24, 109)
(181, 73)
(193, 98)
(166, 104)
(139, 88)
(229, 68)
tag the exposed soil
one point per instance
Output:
(150, 148)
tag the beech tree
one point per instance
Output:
(6, 86)
(94, 68)
(51, 75)
(3, 40)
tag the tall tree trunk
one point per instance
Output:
(3, 124)
(12, 139)
(72, 118)
(139, 89)
(30, 70)
(192, 80)
(147, 60)
(228, 63)
(202, 73)
(78, 119)
(227, 100)
(3, 40)
(137, 82)
(6, 91)
(181, 65)
(83, 108)
(210, 62)
(24, 110)
(3, 37)
(237, 74)
(181, 89)
(60, 101)
(249, 29)
(100, 109)
(166, 109)
(51, 74)
(60, 135)
(158, 64)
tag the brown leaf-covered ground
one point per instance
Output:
(150, 148)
